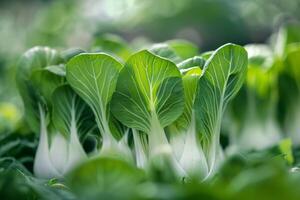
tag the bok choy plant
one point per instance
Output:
(94, 77)
(161, 116)
(223, 76)
(149, 97)
(254, 111)
(152, 94)
(53, 110)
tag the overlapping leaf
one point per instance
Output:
(223, 76)
(148, 85)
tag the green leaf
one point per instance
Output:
(223, 76)
(104, 178)
(149, 96)
(59, 70)
(70, 113)
(37, 58)
(196, 61)
(165, 51)
(45, 82)
(15, 183)
(190, 81)
(113, 45)
(34, 59)
(70, 53)
(94, 77)
(148, 85)
(175, 50)
(184, 49)
(206, 55)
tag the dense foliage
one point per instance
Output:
(157, 121)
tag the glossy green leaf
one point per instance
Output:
(190, 81)
(149, 97)
(148, 85)
(223, 76)
(94, 77)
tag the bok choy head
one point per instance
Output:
(52, 110)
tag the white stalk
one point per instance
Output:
(160, 150)
(76, 153)
(124, 147)
(43, 167)
(141, 158)
(193, 158)
(177, 141)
